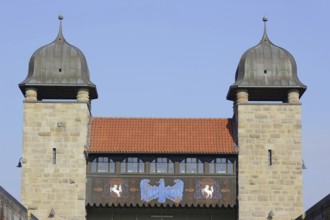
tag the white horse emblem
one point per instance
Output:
(207, 191)
(116, 189)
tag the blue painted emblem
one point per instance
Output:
(160, 191)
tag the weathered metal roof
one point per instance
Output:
(267, 72)
(8, 204)
(58, 70)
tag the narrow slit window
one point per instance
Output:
(270, 158)
(54, 155)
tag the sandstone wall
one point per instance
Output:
(263, 187)
(48, 184)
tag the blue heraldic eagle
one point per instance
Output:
(162, 192)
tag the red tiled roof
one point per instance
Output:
(161, 135)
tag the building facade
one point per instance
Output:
(82, 167)
(319, 211)
(11, 209)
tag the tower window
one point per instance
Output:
(270, 158)
(54, 155)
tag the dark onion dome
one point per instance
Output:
(267, 72)
(58, 70)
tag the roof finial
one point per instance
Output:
(265, 19)
(59, 36)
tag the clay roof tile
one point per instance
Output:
(161, 135)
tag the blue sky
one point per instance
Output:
(166, 58)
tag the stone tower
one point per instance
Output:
(56, 118)
(266, 96)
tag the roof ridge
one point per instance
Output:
(160, 118)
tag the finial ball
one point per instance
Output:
(265, 19)
(60, 17)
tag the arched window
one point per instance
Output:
(162, 165)
(103, 165)
(191, 165)
(132, 165)
(221, 165)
